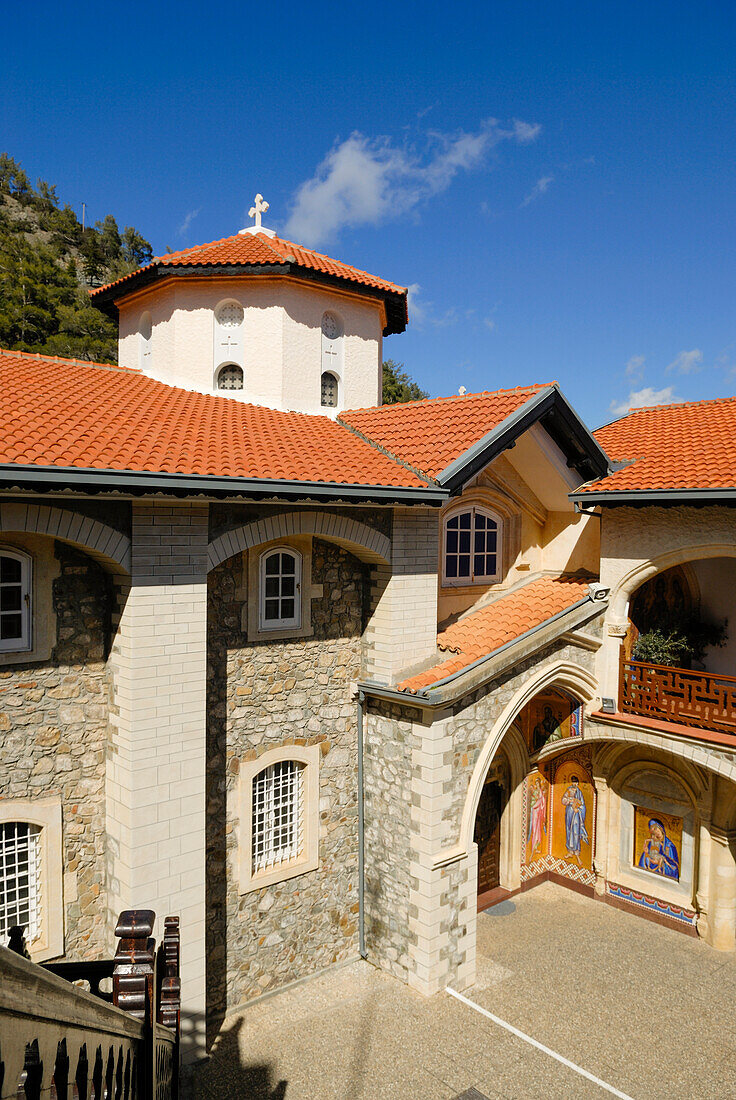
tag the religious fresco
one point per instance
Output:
(537, 817)
(657, 842)
(573, 804)
(551, 716)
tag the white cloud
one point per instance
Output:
(417, 308)
(364, 181)
(189, 218)
(489, 323)
(541, 187)
(687, 362)
(640, 399)
(634, 367)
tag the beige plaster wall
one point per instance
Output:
(282, 359)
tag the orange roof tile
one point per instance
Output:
(687, 446)
(60, 412)
(481, 632)
(430, 434)
(259, 250)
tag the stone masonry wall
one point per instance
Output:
(262, 695)
(53, 734)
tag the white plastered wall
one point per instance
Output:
(282, 339)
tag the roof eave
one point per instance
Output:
(641, 497)
(141, 482)
(107, 298)
(559, 419)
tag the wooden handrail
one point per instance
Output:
(701, 700)
(683, 671)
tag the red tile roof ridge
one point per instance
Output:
(67, 359)
(446, 398)
(671, 405)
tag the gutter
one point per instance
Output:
(139, 481)
(361, 832)
(655, 496)
(429, 697)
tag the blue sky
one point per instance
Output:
(556, 182)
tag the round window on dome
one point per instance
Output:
(230, 315)
(230, 377)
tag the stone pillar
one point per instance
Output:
(156, 767)
(721, 927)
(403, 627)
(600, 858)
(441, 899)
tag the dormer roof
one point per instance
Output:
(258, 254)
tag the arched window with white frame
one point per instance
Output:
(472, 546)
(329, 389)
(280, 601)
(230, 377)
(15, 600)
(332, 354)
(145, 337)
(20, 879)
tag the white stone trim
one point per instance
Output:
(24, 644)
(366, 543)
(685, 750)
(106, 545)
(308, 860)
(46, 814)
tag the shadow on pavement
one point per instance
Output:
(226, 1074)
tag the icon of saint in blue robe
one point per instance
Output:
(659, 855)
(575, 832)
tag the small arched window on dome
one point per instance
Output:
(230, 377)
(332, 358)
(329, 388)
(145, 332)
(229, 346)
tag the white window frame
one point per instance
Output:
(306, 857)
(487, 578)
(228, 342)
(330, 408)
(265, 624)
(25, 642)
(45, 815)
(332, 355)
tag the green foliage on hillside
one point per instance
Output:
(48, 262)
(398, 386)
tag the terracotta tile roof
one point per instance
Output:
(259, 250)
(482, 632)
(431, 434)
(689, 446)
(60, 412)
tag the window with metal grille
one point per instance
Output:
(278, 798)
(280, 588)
(230, 377)
(472, 547)
(329, 390)
(15, 601)
(20, 884)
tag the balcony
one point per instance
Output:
(704, 701)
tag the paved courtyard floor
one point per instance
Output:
(649, 1012)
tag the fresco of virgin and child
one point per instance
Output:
(658, 852)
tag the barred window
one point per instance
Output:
(280, 601)
(230, 377)
(472, 551)
(278, 803)
(20, 882)
(329, 390)
(15, 601)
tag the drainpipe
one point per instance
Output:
(361, 833)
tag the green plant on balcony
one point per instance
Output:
(682, 647)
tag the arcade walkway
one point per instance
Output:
(647, 1011)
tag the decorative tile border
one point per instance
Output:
(561, 867)
(661, 908)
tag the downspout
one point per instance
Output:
(361, 833)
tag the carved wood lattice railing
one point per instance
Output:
(701, 699)
(59, 1041)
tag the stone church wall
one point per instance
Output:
(53, 730)
(262, 695)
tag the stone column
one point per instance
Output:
(156, 767)
(721, 932)
(403, 627)
(600, 859)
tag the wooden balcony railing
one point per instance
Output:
(704, 700)
(59, 1041)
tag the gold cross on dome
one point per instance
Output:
(259, 207)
